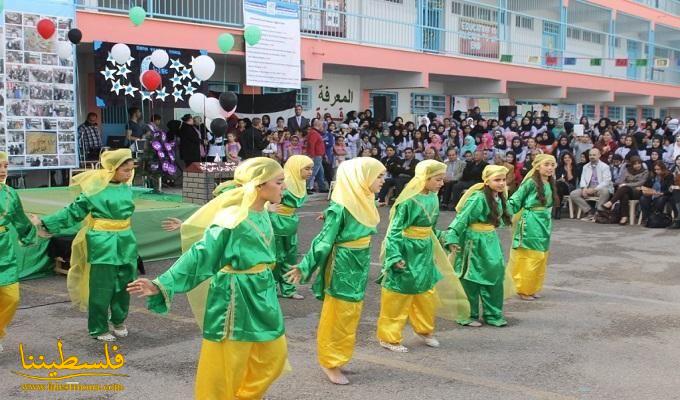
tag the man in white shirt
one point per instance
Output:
(596, 181)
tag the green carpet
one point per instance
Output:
(153, 243)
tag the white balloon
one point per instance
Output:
(204, 67)
(159, 58)
(120, 52)
(212, 108)
(197, 103)
(64, 50)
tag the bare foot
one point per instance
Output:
(474, 324)
(537, 296)
(527, 298)
(607, 204)
(336, 376)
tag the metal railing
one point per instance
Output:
(462, 28)
(669, 6)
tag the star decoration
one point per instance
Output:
(192, 60)
(176, 65)
(123, 70)
(116, 86)
(130, 90)
(108, 73)
(189, 90)
(186, 72)
(162, 94)
(129, 61)
(196, 80)
(177, 94)
(146, 95)
(110, 59)
(176, 80)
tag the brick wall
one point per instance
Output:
(197, 187)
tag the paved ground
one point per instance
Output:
(607, 328)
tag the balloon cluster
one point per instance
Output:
(216, 111)
(63, 48)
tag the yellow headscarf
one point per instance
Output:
(292, 169)
(223, 187)
(490, 171)
(94, 181)
(3, 157)
(539, 160)
(352, 188)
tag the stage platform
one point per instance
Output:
(154, 243)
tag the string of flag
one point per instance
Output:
(594, 62)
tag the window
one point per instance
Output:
(473, 11)
(395, 1)
(393, 96)
(601, 111)
(617, 42)
(589, 110)
(469, 11)
(524, 22)
(574, 33)
(631, 113)
(551, 27)
(587, 35)
(648, 112)
(422, 104)
(114, 115)
(663, 113)
(614, 113)
(303, 98)
(219, 86)
(455, 7)
(596, 38)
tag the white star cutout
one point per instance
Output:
(189, 90)
(162, 94)
(146, 95)
(123, 70)
(177, 94)
(108, 73)
(186, 72)
(196, 80)
(192, 60)
(176, 65)
(129, 61)
(116, 86)
(130, 90)
(176, 80)
(110, 59)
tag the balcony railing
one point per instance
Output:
(669, 6)
(453, 28)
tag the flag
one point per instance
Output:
(276, 105)
(506, 58)
(595, 62)
(550, 60)
(621, 62)
(662, 63)
(534, 59)
(569, 61)
(641, 62)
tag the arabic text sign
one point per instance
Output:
(325, 96)
(478, 38)
(275, 60)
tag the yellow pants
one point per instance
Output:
(396, 308)
(230, 370)
(337, 331)
(9, 301)
(528, 270)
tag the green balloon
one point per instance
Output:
(252, 34)
(137, 15)
(225, 42)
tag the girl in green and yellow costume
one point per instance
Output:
(414, 262)
(342, 253)
(473, 240)
(285, 220)
(104, 252)
(532, 203)
(229, 267)
(11, 215)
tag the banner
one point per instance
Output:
(479, 38)
(38, 127)
(275, 60)
(256, 105)
(118, 85)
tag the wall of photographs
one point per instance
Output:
(37, 105)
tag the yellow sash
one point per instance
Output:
(360, 243)
(256, 269)
(111, 225)
(538, 209)
(417, 232)
(286, 211)
(479, 227)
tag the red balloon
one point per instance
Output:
(151, 79)
(46, 28)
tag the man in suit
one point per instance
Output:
(298, 121)
(596, 181)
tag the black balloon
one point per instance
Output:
(75, 35)
(228, 100)
(218, 127)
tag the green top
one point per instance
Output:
(12, 216)
(347, 268)
(115, 202)
(241, 307)
(287, 225)
(532, 230)
(480, 258)
(420, 274)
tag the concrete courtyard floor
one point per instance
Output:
(608, 327)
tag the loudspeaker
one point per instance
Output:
(382, 109)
